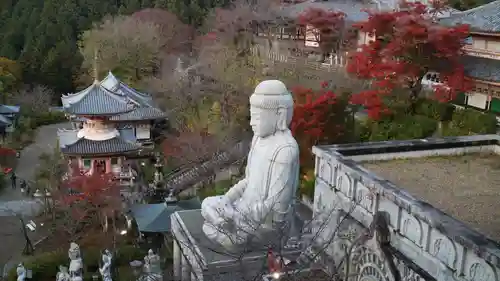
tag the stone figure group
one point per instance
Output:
(75, 270)
(263, 200)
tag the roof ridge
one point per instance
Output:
(479, 7)
(106, 91)
(68, 95)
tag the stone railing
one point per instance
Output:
(423, 243)
(333, 64)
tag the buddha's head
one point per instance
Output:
(271, 108)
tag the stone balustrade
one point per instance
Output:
(425, 243)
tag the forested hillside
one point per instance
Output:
(42, 35)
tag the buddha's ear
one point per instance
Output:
(282, 123)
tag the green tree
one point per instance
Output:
(125, 45)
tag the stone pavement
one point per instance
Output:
(13, 202)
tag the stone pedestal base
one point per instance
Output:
(196, 258)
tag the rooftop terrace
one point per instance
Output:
(466, 187)
(459, 176)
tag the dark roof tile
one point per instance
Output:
(484, 18)
(100, 101)
(115, 145)
(482, 68)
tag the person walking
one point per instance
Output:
(13, 180)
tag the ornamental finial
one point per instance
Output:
(96, 72)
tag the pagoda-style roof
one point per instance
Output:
(111, 97)
(140, 113)
(96, 100)
(114, 85)
(482, 68)
(485, 18)
(90, 147)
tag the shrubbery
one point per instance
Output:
(401, 128)
(439, 111)
(424, 123)
(470, 122)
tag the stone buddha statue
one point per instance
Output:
(264, 198)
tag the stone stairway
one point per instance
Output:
(185, 178)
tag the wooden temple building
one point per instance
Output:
(482, 55)
(111, 121)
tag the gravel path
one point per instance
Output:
(11, 201)
(465, 187)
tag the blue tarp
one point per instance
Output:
(156, 217)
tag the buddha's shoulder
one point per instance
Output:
(284, 149)
(284, 141)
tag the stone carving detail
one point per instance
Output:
(444, 250)
(344, 184)
(480, 271)
(369, 266)
(325, 171)
(262, 202)
(407, 274)
(365, 197)
(76, 263)
(411, 228)
(105, 269)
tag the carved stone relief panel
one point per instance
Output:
(325, 171)
(477, 269)
(367, 265)
(345, 184)
(443, 249)
(365, 197)
(411, 228)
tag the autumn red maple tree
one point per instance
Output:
(320, 116)
(327, 27)
(408, 43)
(86, 201)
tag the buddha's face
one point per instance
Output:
(262, 121)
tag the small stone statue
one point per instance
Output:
(21, 272)
(63, 274)
(105, 270)
(263, 200)
(152, 263)
(76, 264)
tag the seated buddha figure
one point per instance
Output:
(264, 198)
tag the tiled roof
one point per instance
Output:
(112, 83)
(99, 101)
(482, 68)
(84, 146)
(484, 18)
(352, 9)
(140, 113)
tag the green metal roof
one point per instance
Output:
(156, 217)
